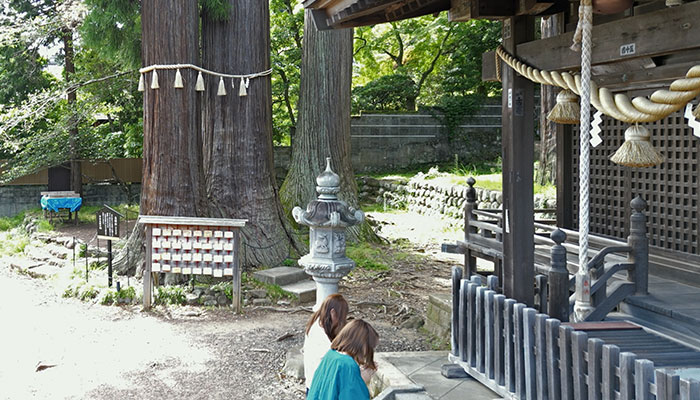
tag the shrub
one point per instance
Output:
(170, 295)
(395, 92)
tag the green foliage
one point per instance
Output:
(126, 295)
(368, 257)
(174, 295)
(113, 27)
(14, 244)
(274, 292)
(44, 226)
(81, 290)
(286, 32)
(7, 223)
(395, 92)
(289, 262)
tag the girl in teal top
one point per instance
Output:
(338, 377)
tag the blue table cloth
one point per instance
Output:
(54, 203)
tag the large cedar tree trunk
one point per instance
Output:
(550, 26)
(173, 177)
(173, 180)
(237, 132)
(323, 128)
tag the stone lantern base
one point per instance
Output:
(326, 275)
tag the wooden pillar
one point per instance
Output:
(518, 161)
(565, 184)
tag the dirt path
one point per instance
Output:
(91, 351)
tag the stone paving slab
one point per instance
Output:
(424, 368)
(305, 290)
(281, 275)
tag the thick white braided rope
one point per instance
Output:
(659, 105)
(204, 70)
(583, 296)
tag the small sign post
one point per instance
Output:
(108, 229)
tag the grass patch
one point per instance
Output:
(367, 257)
(87, 213)
(7, 223)
(274, 292)
(14, 244)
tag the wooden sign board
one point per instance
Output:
(108, 223)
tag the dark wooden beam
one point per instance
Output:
(565, 184)
(518, 169)
(661, 74)
(661, 32)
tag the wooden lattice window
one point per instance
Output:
(671, 189)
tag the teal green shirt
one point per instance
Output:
(337, 378)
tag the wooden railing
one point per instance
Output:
(522, 354)
(483, 238)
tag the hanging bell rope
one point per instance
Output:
(659, 105)
(637, 150)
(566, 111)
(199, 86)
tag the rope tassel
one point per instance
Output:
(243, 90)
(637, 150)
(141, 85)
(154, 80)
(222, 88)
(200, 83)
(567, 109)
(178, 80)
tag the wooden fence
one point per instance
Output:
(522, 354)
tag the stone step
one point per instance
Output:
(305, 290)
(281, 275)
(32, 268)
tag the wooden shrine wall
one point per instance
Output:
(671, 189)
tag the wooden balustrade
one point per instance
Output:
(483, 238)
(522, 354)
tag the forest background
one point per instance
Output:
(93, 48)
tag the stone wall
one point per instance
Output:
(17, 198)
(433, 197)
(390, 141)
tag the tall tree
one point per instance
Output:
(323, 129)
(173, 181)
(550, 26)
(237, 131)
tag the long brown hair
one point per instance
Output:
(333, 302)
(358, 339)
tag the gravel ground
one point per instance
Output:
(54, 347)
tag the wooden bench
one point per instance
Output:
(57, 195)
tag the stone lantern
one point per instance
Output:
(327, 217)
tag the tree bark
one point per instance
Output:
(548, 97)
(323, 128)
(76, 176)
(237, 132)
(173, 180)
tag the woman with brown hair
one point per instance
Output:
(321, 329)
(338, 376)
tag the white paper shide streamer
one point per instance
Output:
(179, 82)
